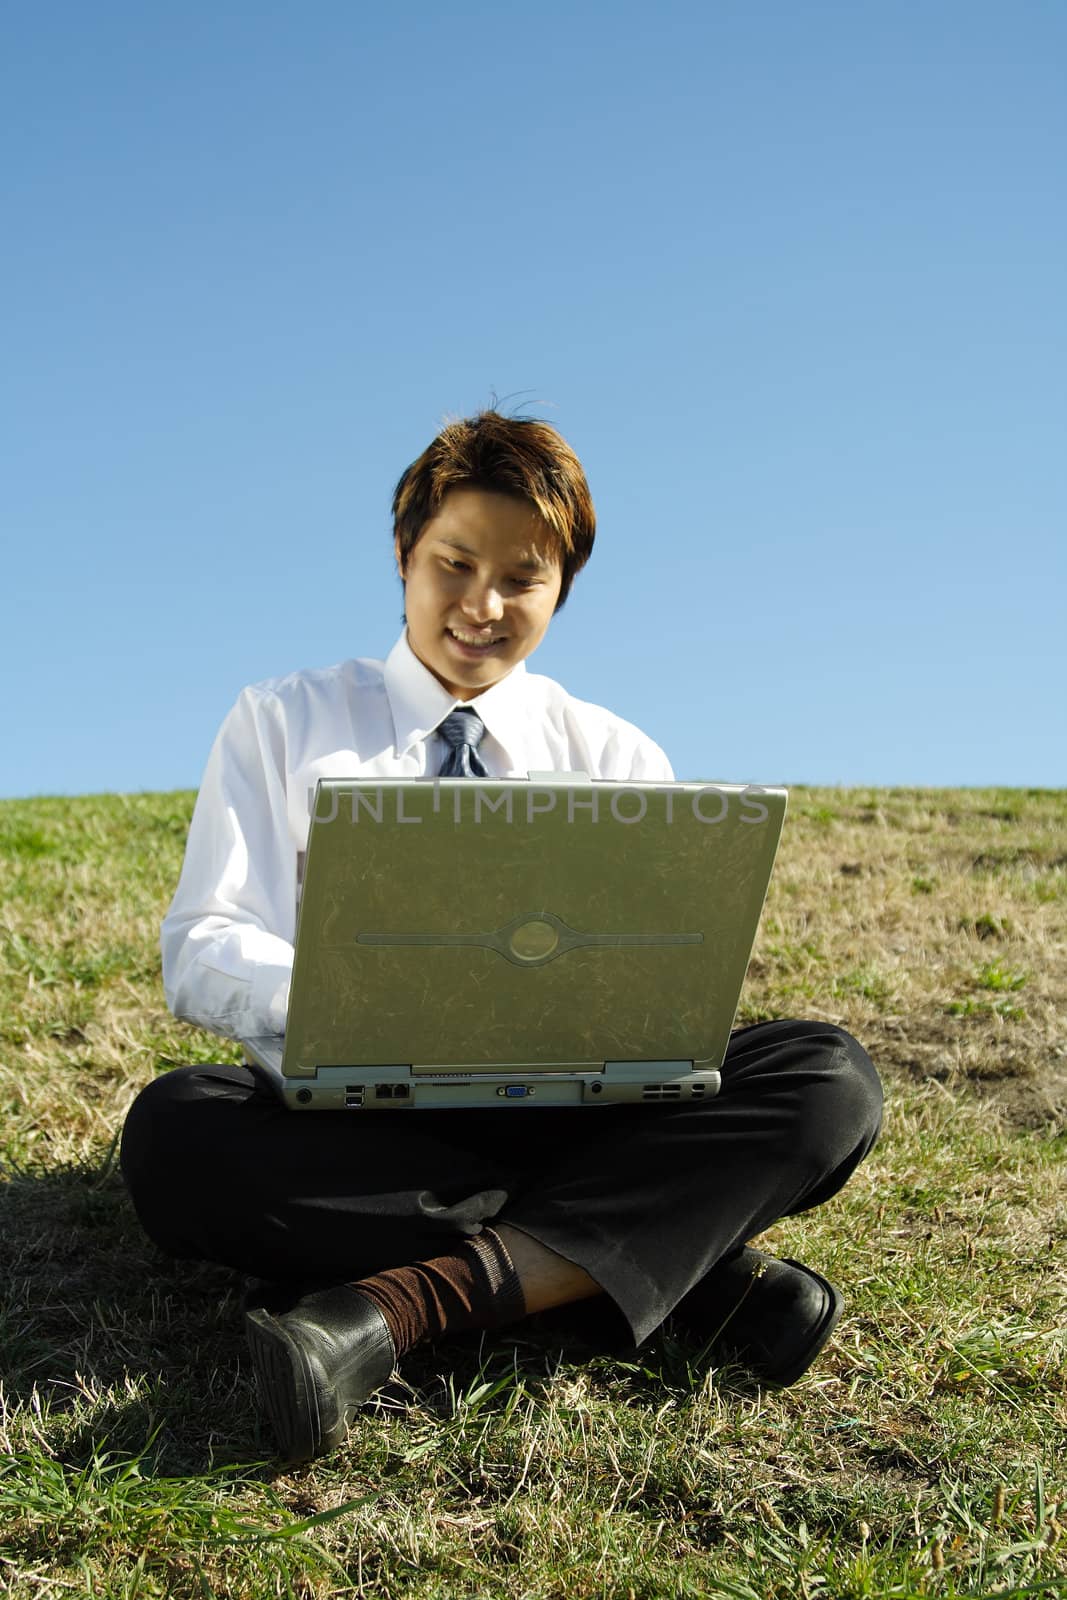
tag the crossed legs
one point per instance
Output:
(638, 1203)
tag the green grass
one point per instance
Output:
(921, 1456)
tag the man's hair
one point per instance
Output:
(520, 456)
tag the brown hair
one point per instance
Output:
(520, 456)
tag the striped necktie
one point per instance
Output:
(462, 730)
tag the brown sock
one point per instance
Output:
(476, 1287)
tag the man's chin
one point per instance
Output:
(466, 678)
(478, 678)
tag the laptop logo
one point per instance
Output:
(533, 939)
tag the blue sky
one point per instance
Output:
(790, 277)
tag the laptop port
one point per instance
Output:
(353, 1096)
(401, 1091)
(383, 1091)
(515, 1091)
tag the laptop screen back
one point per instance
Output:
(479, 924)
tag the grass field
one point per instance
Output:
(924, 1454)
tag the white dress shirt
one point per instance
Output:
(227, 939)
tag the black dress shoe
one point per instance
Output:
(316, 1362)
(771, 1316)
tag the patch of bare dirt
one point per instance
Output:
(1024, 1083)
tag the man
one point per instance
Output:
(415, 1224)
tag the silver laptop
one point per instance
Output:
(520, 943)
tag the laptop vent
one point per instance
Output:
(353, 1096)
(662, 1091)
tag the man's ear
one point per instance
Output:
(399, 557)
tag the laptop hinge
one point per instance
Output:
(459, 1069)
(644, 1071)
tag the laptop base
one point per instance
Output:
(403, 1088)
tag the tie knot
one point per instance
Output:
(462, 731)
(462, 726)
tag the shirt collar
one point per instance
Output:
(419, 703)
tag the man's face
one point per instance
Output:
(480, 588)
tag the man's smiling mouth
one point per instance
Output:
(475, 641)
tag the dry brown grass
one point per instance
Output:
(934, 927)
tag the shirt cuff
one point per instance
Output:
(270, 992)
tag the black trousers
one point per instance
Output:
(645, 1198)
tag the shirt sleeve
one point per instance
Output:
(227, 939)
(650, 764)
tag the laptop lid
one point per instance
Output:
(479, 925)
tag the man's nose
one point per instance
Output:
(483, 602)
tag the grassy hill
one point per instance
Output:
(924, 1454)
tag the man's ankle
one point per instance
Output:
(476, 1286)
